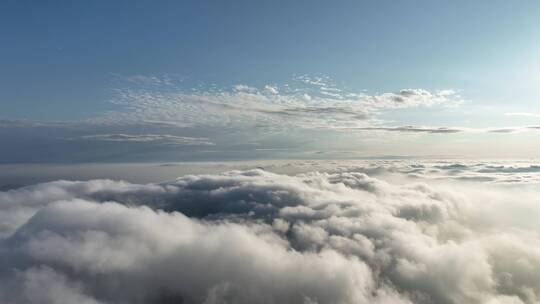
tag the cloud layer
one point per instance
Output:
(259, 237)
(320, 106)
(153, 119)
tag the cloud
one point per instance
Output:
(412, 129)
(408, 98)
(163, 119)
(26, 123)
(319, 81)
(254, 236)
(244, 88)
(502, 172)
(513, 129)
(150, 80)
(523, 114)
(326, 107)
(271, 89)
(144, 138)
(446, 130)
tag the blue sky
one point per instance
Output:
(65, 61)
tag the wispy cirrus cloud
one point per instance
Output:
(154, 138)
(447, 130)
(527, 114)
(413, 129)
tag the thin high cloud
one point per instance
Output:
(321, 104)
(154, 138)
(446, 130)
(170, 124)
(412, 129)
(254, 236)
(318, 106)
(526, 114)
(513, 129)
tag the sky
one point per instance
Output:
(309, 152)
(142, 81)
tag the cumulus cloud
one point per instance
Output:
(254, 236)
(271, 89)
(159, 138)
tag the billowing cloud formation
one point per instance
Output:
(254, 236)
(493, 172)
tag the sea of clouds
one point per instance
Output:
(381, 232)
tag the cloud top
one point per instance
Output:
(254, 236)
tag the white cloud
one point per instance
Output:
(254, 236)
(326, 108)
(244, 88)
(271, 89)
